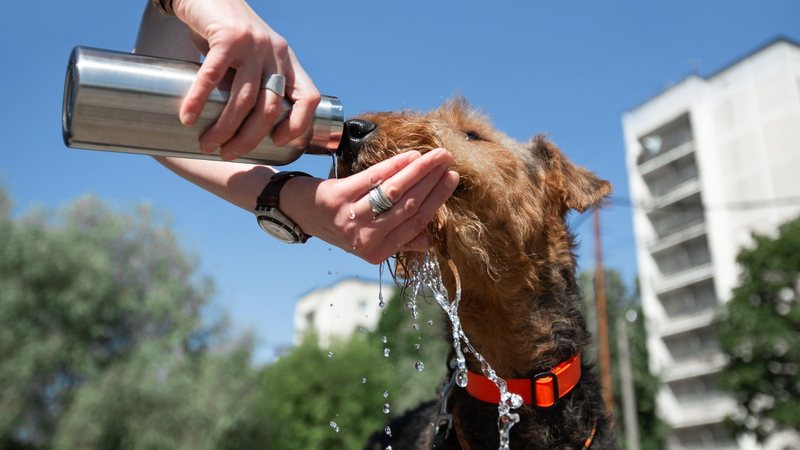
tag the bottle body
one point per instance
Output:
(129, 103)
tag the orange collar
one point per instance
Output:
(549, 386)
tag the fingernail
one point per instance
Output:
(453, 179)
(209, 147)
(188, 118)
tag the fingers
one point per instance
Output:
(208, 77)
(305, 98)
(417, 191)
(256, 126)
(406, 235)
(243, 97)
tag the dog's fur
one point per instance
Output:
(504, 228)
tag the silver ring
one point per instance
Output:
(276, 83)
(378, 200)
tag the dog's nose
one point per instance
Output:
(359, 129)
(354, 134)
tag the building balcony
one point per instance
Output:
(706, 410)
(678, 236)
(705, 364)
(665, 284)
(665, 158)
(686, 323)
(680, 192)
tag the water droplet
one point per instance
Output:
(362, 330)
(330, 273)
(461, 379)
(386, 352)
(419, 365)
(417, 346)
(430, 323)
(334, 426)
(386, 408)
(330, 354)
(415, 326)
(385, 394)
(331, 305)
(384, 339)
(364, 380)
(388, 431)
(388, 447)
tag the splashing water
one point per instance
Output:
(429, 274)
(381, 303)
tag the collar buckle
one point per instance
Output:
(535, 388)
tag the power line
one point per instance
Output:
(728, 206)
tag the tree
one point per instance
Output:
(760, 333)
(324, 398)
(621, 303)
(102, 334)
(346, 383)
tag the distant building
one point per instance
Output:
(339, 310)
(710, 160)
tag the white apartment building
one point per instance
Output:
(710, 160)
(341, 309)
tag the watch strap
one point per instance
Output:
(270, 195)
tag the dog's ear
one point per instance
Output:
(580, 189)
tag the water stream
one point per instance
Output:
(428, 274)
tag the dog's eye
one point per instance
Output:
(473, 135)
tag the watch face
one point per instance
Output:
(277, 229)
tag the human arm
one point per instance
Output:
(232, 36)
(337, 210)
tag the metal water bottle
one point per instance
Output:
(129, 103)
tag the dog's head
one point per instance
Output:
(512, 198)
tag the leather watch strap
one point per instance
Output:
(270, 195)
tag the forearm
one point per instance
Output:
(165, 36)
(237, 183)
(240, 184)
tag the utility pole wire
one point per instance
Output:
(728, 206)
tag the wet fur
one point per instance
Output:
(505, 230)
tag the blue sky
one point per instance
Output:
(567, 68)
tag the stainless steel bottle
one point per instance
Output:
(129, 103)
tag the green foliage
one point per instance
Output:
(102, 340)
(619, 301)
(309, 388)
(411, 341)
(306, 390)
(760, 333)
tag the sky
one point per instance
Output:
(570, 69)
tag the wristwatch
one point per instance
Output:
(269, 216)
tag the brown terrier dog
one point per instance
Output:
(505, 230)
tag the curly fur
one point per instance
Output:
(505, 230)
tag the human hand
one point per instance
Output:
(340, 212)
(237, 38)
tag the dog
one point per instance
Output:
(505, 230)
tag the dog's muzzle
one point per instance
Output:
(356, 132)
